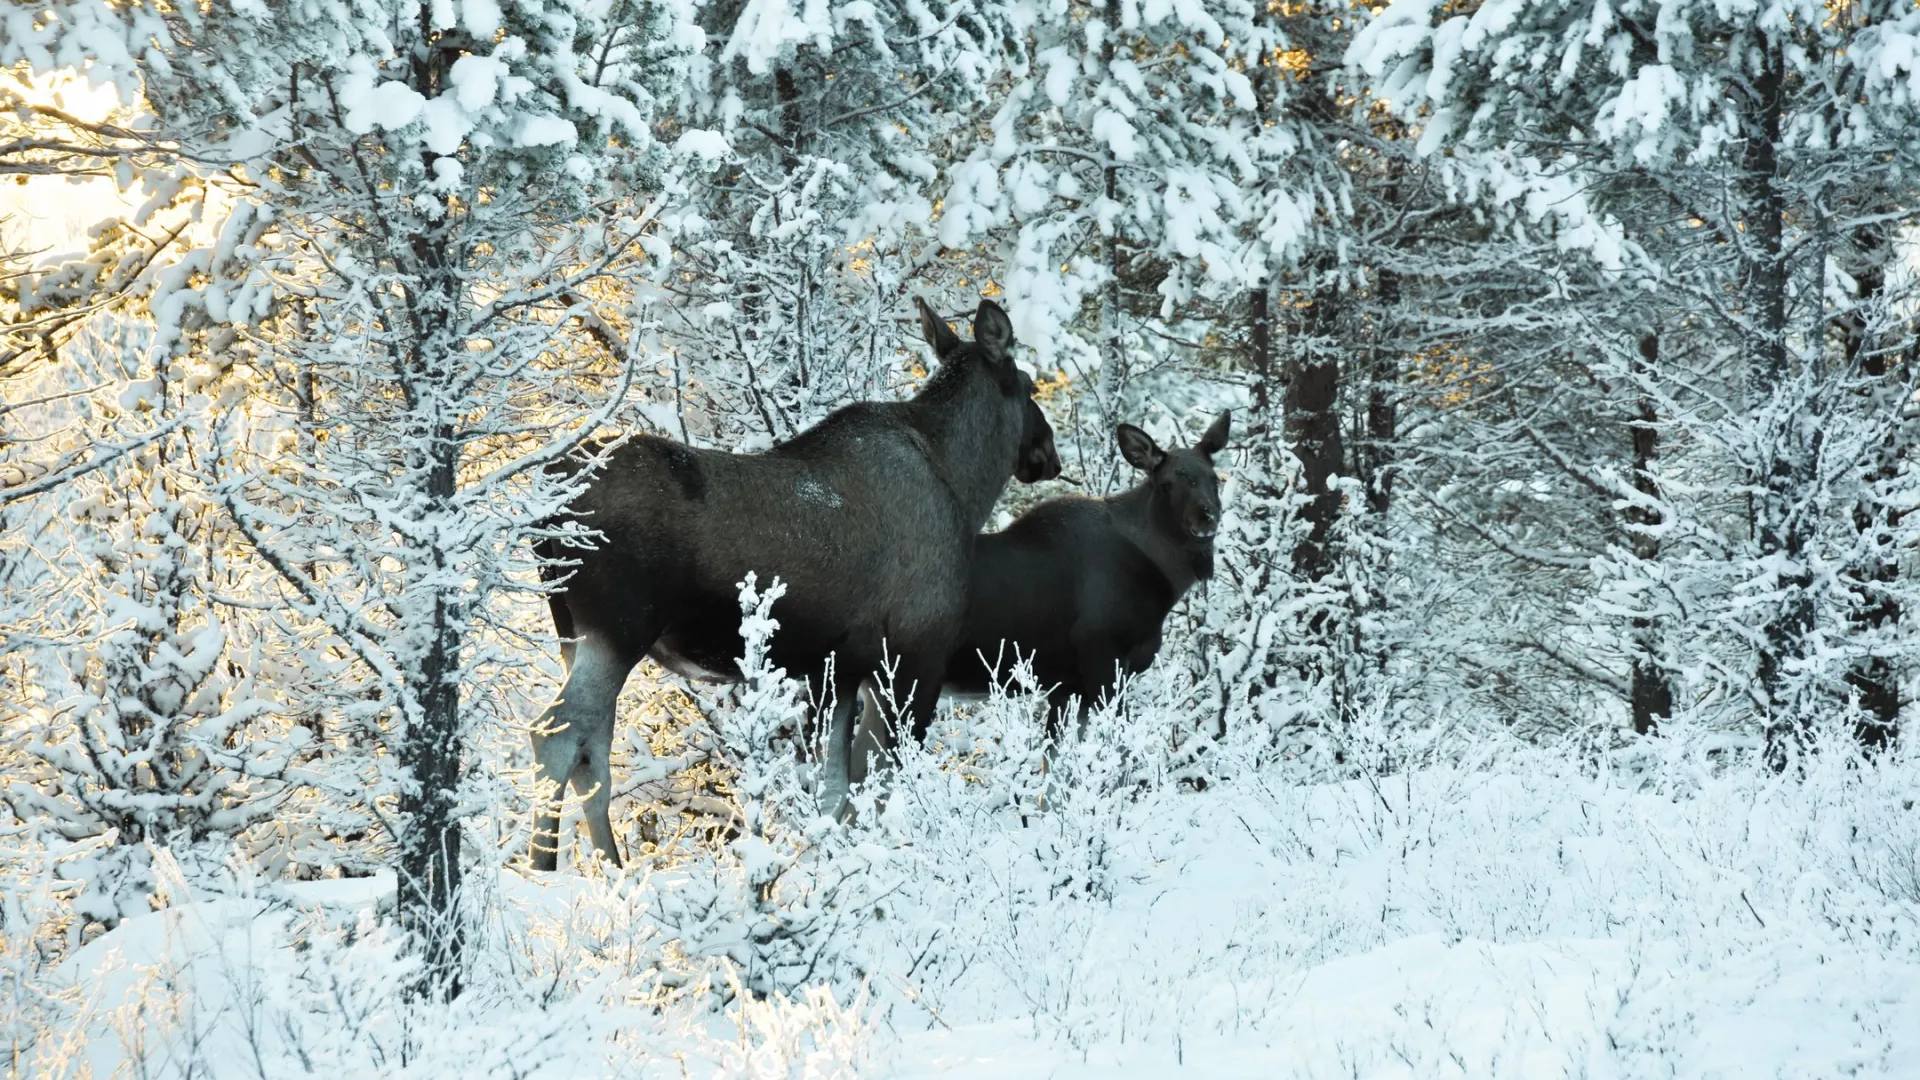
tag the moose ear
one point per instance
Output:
(936, 331)
(1215, 440)
(992, 328)
(1138, 448)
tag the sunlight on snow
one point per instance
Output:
(51, 214)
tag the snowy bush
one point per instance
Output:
(142, 728)
(777, 906)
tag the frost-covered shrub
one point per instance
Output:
(315, 978)
(145, 726)
(37, 1007)
(775, 906)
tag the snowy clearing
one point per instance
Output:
(1517, 918)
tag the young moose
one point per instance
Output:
(1082, 585)
(869, 518)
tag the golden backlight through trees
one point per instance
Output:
(47, 203)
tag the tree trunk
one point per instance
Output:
(1375, 459)
(1651, 695)
(1776, 525)
(431, 749)
(1113, 352)
(429, 857)
(1260, 348)
(1313, 429)
(1873, 678)
(1313, 435)
(432, 745)
(806, 299)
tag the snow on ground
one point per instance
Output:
(1524, 917)
(1479, 924)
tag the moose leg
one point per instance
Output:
(1064, 701)
(575, 732)
(1103, 664)
(874, 737)
(836, 769)
(593, 778)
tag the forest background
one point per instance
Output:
(1572, 348)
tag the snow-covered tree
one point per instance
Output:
(806, 221)
(48, 297)
(140, 725)
(52, 293)
(1120, 144)
(429, 201)
(1752, 155)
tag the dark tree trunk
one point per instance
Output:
(1873, 678)
(787, 89)
(432, 745)
(1268, 94)
(431, 748)
(1260, 349)
(806, 300)
(429, 855)
(1776, 527)
(1651, 695)
(1113, 352)
(1375, 459)
(1313, 429)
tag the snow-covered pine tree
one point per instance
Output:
(140, 725)
(132, 728)
(1113, 177)
(1529, 445)
(48, 297)
(799, 238)
(1750, 152)
(430, 200)
(1317, 332)
(54, 289)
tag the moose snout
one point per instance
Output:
(1203, 522)
(1040, 462)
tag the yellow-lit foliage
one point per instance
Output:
(860, 256)
(1046, 386)
(1296, 63)
(1450, 376)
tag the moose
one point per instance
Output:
(869, 518)
(1082, 585)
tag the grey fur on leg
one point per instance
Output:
(593, 779)
(836, 770)
(872, 737)
(573, 744)
(555, 754)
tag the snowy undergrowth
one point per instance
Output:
(1667, 909)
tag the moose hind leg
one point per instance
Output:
(575, 731)
(593, 779)
(873, 736)
(922, 689)
(837, 771)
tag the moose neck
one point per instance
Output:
(973, 429)
(1183, 559)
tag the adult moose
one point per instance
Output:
(868, 517)
(1083, 585)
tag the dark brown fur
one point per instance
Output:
(1082, 586)
(868, 518)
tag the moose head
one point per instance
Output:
(1185, 494)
